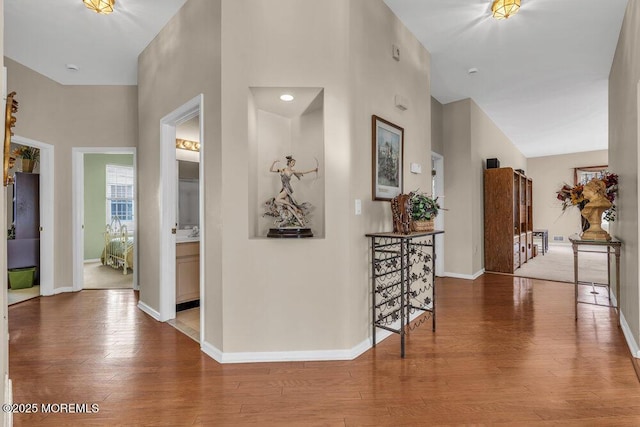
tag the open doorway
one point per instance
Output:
(30, 220)
(181, 258)
(437, 183)
(187, 318)
(104, 218)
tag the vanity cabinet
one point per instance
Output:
(187, 272)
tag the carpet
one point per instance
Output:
(98, 276)
(557, 265)
(18, 295)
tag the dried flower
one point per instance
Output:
(573, 196)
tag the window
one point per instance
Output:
(120, 195)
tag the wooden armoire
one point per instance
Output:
(508, 220)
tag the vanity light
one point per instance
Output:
(286, 97)
(184, 144)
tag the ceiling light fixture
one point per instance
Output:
(503, 9)
(103, 7)
(286, 97)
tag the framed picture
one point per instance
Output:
(388, 149)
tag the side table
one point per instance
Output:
(612, 247)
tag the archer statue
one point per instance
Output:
(284, 207)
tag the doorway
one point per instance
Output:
(169, 253)
(44, 230)
(104, 218)
(437, 183)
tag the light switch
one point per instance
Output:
(416, 168)
(358, 207)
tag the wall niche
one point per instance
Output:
(278, 129)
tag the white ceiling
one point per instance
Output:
(47, 35)
(542, 73)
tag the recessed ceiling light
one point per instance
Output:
(72, 67)
(286, 97)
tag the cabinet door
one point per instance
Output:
(187, 279)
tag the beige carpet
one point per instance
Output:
(18, 295)
(98, 276)
(557, 265)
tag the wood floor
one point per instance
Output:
(507, 352)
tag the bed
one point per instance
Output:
(118, 247)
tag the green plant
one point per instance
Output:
(423, 207)
(29, 153)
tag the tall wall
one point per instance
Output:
(470, 137)
(549, 174)
(437, 131)
(282, 295)
(375, 78)
(624, 160)
(67, 117)
(95, 196)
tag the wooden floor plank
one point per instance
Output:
(507, 352)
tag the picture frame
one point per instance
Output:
(10, 121)
(387, 159)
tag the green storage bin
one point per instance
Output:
(21, 278)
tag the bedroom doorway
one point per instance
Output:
(104, 219)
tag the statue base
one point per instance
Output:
(290, 233)
(600, 235)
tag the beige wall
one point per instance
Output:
(549, 174)
(272, 294)
(66, 117)
(623, 159)
(437, 137)
(470, 137)
(179, 64)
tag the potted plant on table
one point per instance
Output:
(30, 156)
(424, 209)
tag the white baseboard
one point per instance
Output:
(299, 356)
(89, 261)
(628, 335)
(465, 276)
(62, 290)
(150, 311)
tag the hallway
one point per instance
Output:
(507, 350)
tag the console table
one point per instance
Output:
(612, 247)
(402, 280)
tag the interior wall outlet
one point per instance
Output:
(416, 168)
(358, 207)
(396, 52)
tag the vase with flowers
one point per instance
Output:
(424, 209)
(595, 200)
(30, 156)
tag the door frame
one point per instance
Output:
(437, 161)
(77, 164)
(47, 224)
(168, 192)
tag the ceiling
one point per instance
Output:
(542, 74)
(47, 35)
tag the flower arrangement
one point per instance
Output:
(423, 207)
(573, 196)
(27, 153)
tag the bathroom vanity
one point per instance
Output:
(187, 270)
